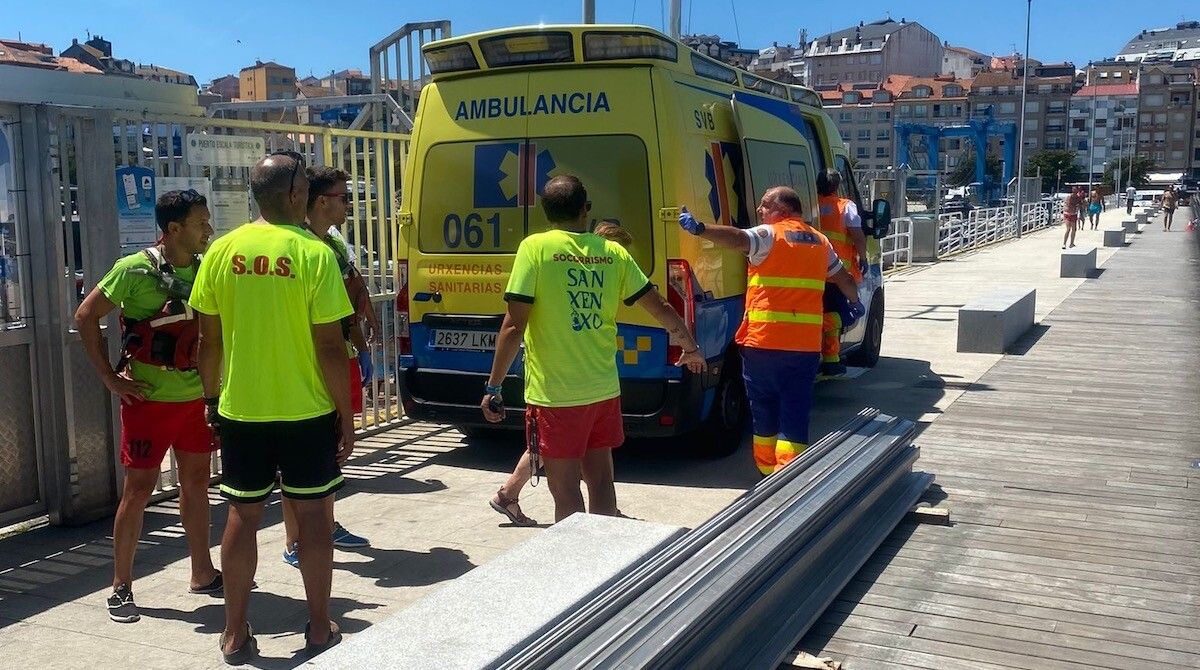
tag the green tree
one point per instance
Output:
(964, 173)
(1051, 161)
(1135, 172)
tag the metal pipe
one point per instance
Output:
(676, 11)
(589, 11)
(1021, 139)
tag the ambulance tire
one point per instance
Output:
(721, 433)
(867, 354)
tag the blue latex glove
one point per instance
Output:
(689, 222)
(854, 312)
(366, 367)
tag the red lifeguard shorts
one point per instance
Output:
(149, 428)
(569, 432)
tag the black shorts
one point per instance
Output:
(302, 453)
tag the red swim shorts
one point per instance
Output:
(149, 428)
(569, 432)
(356, 387)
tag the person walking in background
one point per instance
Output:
(273, 364)
(781, 330)
(1095, 207)
(327, 203)
(562, 302)
(161, 405)
(842, 226)
(507, 498)
(1071, 209)
(1169, 200)
(1130, 196)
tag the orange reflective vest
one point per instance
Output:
(833, 225)
(784, 293)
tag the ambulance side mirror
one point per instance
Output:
(881, 218)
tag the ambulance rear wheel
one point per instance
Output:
(867, 354)
(721, 433)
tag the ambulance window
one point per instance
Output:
(814, 143)
(471, 199)
(775, 164)
(614, 170)
(848, 189)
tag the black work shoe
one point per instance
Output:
(832, 369)
(121, 607)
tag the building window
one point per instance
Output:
(985, 90)
(1101, 123)
(952, 91)
(1196, 155)
(1056, 107)
(885, 115)
(1031, 124)
(1176, 155)
(921, 91)
(860, 152)
(1160, 118)
(1147, 119)
(1154, 79)
(1008, 108)
(953, 144)
(885, 135)
(864, 135)
(876, 59)
(1082, 145)
(920, 111)
(881, 152)
(864, 117)
(1044, 88)
(1079, 124)
(845, 117)
(1177, 134)
(1033, 107)
(1158, 155)
(845, 136)
(1160, 137)
(1155, 100)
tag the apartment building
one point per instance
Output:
(866, 116)
(870, 52)
(1103, 124)
(1167, 117)
(267, 81)
(962, 62)
(1180, 44)
(1047, 106)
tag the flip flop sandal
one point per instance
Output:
(501, 505)
(242, 654)
(311, 649)
(217, 585)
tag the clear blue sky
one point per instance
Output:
(209, 38)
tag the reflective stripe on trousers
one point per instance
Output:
(779, 386)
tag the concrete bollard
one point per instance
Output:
(1130, 225)
(1077, 262)
(1142, 217)
(1114, 237)
(991, 323)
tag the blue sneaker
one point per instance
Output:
(346, 540)
(291, 555)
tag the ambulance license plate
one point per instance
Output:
(463, 340)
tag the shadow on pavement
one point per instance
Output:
(391, 568)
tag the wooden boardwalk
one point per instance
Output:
(1072, 471)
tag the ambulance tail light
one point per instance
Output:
(681, 295)
(403, 336)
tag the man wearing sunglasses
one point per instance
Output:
(161, 406)
(273, 364)
(328, 202)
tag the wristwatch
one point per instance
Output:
(488, 389)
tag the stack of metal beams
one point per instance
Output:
(743, 588)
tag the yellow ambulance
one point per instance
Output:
(649, 126)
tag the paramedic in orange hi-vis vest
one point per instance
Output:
(840, 223)
(780, 334)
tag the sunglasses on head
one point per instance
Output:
(190, 196)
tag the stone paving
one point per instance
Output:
(419, 493)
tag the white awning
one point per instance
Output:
(1163, 177)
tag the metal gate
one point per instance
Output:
(60, 232)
